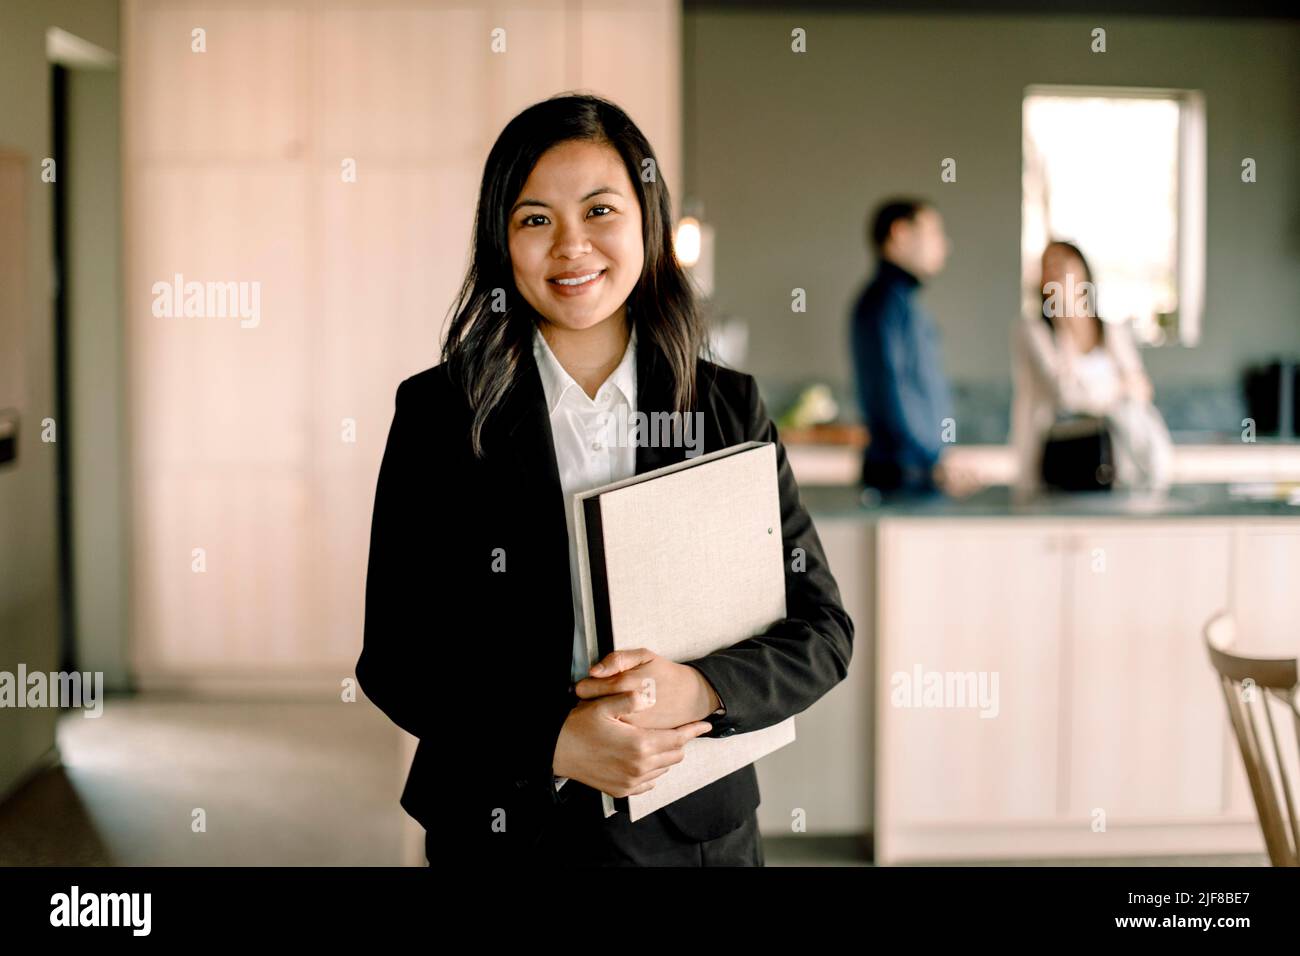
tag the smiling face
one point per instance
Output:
(575, 235)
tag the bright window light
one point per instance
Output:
(1120, 173)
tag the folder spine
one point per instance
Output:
(604, 636)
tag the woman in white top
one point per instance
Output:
(1069, 362)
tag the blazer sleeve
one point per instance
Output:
(394, 666)
(783, 671)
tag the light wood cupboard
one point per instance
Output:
(992, 628)
(1144, 721)
(1111, 737)
(234, 161)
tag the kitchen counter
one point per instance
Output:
(1224, 501)
(821, 463)
(1084, 614)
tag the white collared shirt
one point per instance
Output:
(583, 453)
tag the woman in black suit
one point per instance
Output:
(469, 627)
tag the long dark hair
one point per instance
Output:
(484, 349)
(1074, 250)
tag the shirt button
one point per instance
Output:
(595, 446)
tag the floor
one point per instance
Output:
(298, 784)
(171, 782)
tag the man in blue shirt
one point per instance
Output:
(901, 386)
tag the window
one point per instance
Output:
(1120, 173)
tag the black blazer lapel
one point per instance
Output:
(654, 395)
(525, 480)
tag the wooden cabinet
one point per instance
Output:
(1266, 604)
(1110, 737)
(1144, 719)
(1266, 586)
(961, 699)
(260, 444)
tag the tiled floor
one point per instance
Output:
(296, 784)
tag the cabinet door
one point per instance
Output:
(963, 602)
(821, 782)
(1145, 716)
(1266, 588)
(1266, 604)
(403, 92)
(216, 192)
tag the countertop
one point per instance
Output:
(827, 464)
(1224, 501)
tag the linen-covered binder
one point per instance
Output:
(685, 560)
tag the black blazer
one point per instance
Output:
(476, 662)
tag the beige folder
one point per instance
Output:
(685, 560)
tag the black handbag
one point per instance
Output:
(1079, 455)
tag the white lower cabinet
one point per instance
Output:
(1144, 723)
(1266, 605)
(1043, 690)
(977, 671)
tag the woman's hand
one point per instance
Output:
(1138, 387)
(598, 746)
(955, 480)
(674, 694)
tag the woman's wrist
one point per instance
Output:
(712, 703)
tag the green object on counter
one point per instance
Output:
(814, 406)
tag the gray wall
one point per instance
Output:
(29, 630)
(788, 152)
